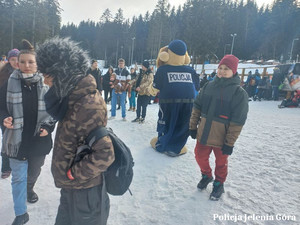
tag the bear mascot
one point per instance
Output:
(178, 85)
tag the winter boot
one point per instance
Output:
(130, 109)
(142, 120)
(204, 182)
(136, 120)
(22, 219)
(218, 190)
(133, 109)
(32, 197)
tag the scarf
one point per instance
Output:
(56, 106)
(12, 138)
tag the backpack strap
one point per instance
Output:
(95, 135)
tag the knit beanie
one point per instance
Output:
(146, 64)
(231, 62)
(178, 47)
(93, 60)
(13, 53)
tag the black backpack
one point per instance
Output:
(119, 174)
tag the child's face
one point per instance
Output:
(224, 71)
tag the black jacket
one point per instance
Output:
(97, 75)
(277, 78)
(31, 145)
(105, 82)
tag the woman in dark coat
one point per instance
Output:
(27, 136)
(94, 70)
(5, 72)
(106, 85)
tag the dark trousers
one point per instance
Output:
(106, 98)
(142, 103)
(5, 164)
(35, 164)
(5, 160)
(275, 93)
(261, 93)
(83, 207)
(251, 91)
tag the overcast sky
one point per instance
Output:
(78, 10)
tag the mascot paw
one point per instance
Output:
(183, 150)
(153, 142)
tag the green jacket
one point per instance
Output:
(219, 112)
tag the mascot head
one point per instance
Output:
(174, 54)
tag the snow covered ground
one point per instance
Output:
(263, 184)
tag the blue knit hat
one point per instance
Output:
(178, 47)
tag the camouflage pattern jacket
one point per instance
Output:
(86, 111)
(144, 81)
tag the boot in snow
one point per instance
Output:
(218, 190)
(136, 120)
(204, 182)
(32, 197)
(22, 219)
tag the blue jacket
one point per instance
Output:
(176, 82)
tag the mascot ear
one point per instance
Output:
(187, 59)
(164, 56)
(162, 51)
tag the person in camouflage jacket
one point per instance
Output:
(143, 85)
(75, 102)
(218, 116)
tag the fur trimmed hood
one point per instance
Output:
(65, 61)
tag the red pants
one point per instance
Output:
(202, 153)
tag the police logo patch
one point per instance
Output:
(180, 77)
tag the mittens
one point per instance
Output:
(227, 150)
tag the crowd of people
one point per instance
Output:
(261, 87)
(39, 91)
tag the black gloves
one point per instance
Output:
(193, 134)
(227, 150)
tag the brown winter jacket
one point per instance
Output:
(86, 111)
(219, 112)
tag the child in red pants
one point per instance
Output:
(219, 113)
